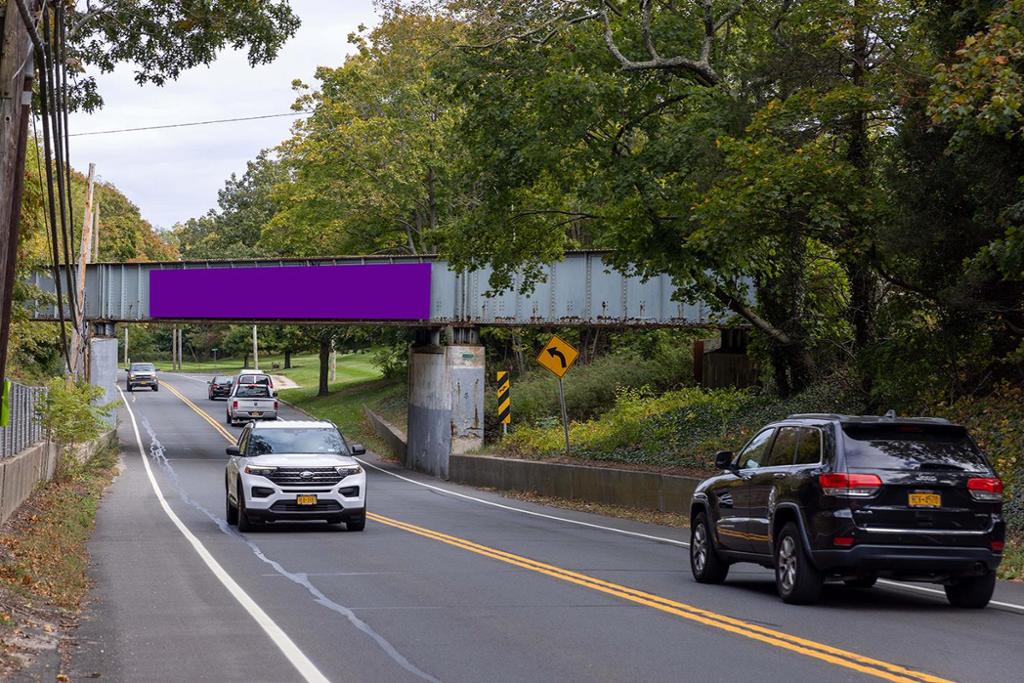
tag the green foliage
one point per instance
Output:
(592, 388)
(995, 421)
(162, 39)
(69, 412)
(245, 205)
(680, 429)
(368, 168)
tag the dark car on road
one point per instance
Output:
(220, 387)
(821, 496)
(142, 375)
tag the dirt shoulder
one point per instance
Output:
(43, 562)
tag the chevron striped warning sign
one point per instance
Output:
(504, 399)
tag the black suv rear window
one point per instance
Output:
(911, 447)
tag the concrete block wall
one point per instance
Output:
(19, 474)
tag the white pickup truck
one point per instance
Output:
(251, 402)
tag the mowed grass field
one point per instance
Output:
(305, 371)
(358, 382)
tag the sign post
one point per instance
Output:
(504, 400)
(557, 357)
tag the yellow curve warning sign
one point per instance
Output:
(558, 356)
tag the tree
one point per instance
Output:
(162, 39)
(368, 169)
(245, 205)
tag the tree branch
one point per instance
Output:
(744, 311)
(650, 111)
(524, 35)
(700, 69)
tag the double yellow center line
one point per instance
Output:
(785, 641)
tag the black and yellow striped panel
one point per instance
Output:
(504, 398)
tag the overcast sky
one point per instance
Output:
(174, 174)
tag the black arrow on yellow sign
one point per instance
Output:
(555, 353)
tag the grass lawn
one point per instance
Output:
(358, 383)
(344, 405)
(305, 371)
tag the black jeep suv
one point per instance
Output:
(853, 497)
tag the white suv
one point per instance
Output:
(294, 470)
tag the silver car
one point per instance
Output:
(142, 375)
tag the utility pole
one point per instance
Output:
(126, 346)
(334, 361)
(80, 336)
(96, 232)
(17, 70)
(255, 350)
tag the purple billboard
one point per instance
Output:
(383, 291)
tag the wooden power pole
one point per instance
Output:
(17, 70)
(81, 338)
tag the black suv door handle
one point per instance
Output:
(779, 475)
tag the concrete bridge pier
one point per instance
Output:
(446, 398)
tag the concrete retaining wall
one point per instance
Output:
(20, 474)
(391, 435)
(604, 485)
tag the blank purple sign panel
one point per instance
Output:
(383, 291)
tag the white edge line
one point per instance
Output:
(636, 534)
(659, 539)
(300, 661)
(440, 489)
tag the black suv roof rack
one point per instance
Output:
(867, 418)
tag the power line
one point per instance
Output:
(191, 123)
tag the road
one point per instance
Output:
(449, 583)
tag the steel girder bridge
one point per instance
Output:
(417, 291)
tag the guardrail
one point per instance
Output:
(24, 429)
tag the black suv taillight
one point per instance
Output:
(845, 485)
(987, 489)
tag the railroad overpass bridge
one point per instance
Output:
(421, 291)
(446, 381)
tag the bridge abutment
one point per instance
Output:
(446, 400)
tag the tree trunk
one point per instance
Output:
(325, 362)
(245, 363)
(287, 359)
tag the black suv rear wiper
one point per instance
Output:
(940, 466)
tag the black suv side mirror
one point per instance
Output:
(358, 449)
(232, 450)
(723, 460)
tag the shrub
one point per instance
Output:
(69, 412)
(996, 422)
(678, 428)
(590, 389)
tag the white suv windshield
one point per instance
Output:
(296, 441)
(142, 367)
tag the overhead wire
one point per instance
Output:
(63, 191)
(44, 103)
(192, 123)
(61, 72)
(50, 230)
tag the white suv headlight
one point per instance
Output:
(349, 470)
(257, 469)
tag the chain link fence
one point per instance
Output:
(24, 429)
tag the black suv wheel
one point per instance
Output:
(973, 592)
(797, 579)
(705, 563)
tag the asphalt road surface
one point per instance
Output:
(449, 583)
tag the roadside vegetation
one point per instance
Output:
(43, 555)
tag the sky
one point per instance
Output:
(174, 174)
